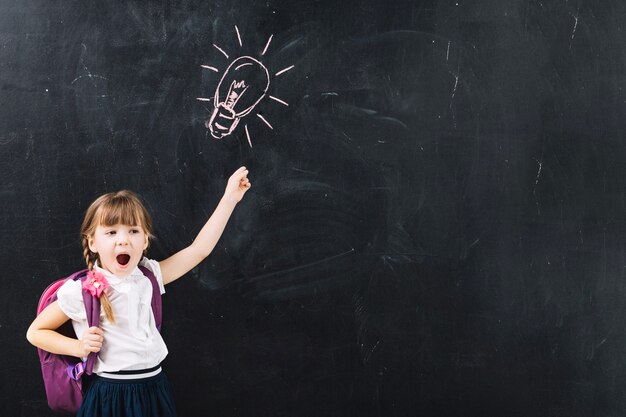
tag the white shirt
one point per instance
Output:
(133, 341)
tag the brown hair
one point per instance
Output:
(122, 207)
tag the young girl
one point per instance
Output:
(116, 231)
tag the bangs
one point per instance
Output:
(123, 210)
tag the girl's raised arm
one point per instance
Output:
(182, 262)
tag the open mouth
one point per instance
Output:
(123, 258)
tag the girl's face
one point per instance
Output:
(119, 247)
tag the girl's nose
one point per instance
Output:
(122, 239)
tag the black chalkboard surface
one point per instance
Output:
(436, 224)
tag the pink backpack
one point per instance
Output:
(61, 373)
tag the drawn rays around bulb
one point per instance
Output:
(284, 70)
(238, 36)
(210, 68)
(243, 85)
(267, 45)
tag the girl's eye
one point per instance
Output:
(133, 231)
(110, 232)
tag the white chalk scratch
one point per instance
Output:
(540, 163)
(371, 351)
(90, 76)
(456, 84)
(448, 51)
(574, 29)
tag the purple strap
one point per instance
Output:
(92, 307)
(157, 303)
(76, 371)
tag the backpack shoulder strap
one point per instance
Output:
(157, 305)
(92, 308)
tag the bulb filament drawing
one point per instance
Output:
(242, 87)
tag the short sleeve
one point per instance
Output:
(70, 300)
(155, 268)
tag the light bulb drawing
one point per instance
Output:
(242, 87)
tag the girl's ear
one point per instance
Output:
(91, 243)
(146, 241)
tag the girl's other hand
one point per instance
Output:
(91, 341)
(237, 186)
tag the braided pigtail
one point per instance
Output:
(106, 305)
(90, 258)
(88, 254)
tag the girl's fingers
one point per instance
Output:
(95, 330)
(94, 336)
(240, 170)
(98, 339)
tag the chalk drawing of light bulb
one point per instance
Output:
(242, 87)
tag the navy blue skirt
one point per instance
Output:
(144, 397)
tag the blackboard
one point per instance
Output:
(436, 224)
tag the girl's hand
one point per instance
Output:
(91, 341)
(237, 185)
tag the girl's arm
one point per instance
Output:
(182, 262)
(42, 333)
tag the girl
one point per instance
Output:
(115, 234)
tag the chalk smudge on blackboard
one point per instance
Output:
(456, 84)
(540, 163)
(89, 74)
(574, 29)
